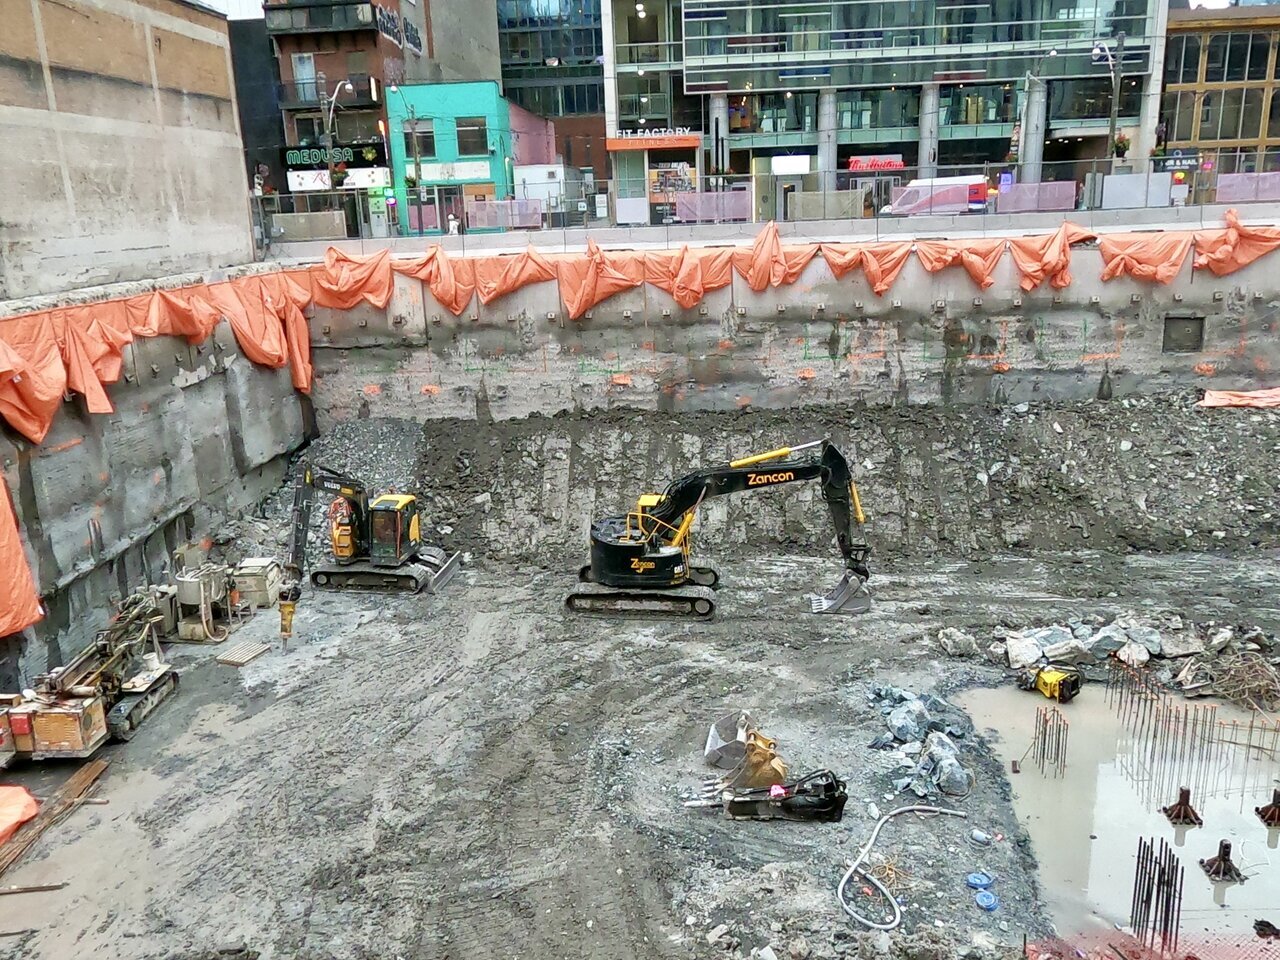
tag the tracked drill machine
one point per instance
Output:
(641, 563)
(107, 689)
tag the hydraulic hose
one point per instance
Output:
(856, 869)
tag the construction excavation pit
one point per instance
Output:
(977, 683)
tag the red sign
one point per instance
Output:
(882, 162)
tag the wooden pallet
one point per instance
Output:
(242, 653)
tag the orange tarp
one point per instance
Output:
(688, 274)
(1047, 257)
(19, 602)
(1241, 398)
(1226, 251)
(1144, 256)
(766, 263)
(342, 281)
(978, 257)
(498, 276)
(881, 262)
(591, 279)
(452, 287)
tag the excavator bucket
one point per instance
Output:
(760, 767)
(727, 740)
(850, 595)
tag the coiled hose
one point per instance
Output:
(857, 870)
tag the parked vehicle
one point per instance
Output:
(940, 195)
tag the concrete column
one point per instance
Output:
(929, 108)
(718, 120)
(1152, 85)
(1033, 129)
(610, 70)
(827, 140)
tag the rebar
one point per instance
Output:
(1049, 741)
(1155, 911)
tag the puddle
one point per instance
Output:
(1126, 755)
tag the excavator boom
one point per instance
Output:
(640, 563)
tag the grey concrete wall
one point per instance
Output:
(932, 338)
(124, 158)
(198, 432)
(464, 41)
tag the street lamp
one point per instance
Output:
(331, 104)
(417, 160)
(1115, 63)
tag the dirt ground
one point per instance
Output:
(480, 775)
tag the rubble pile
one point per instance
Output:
(1239, 663)
(920, 738)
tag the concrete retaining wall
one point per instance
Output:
(197, 432)
(932, 338)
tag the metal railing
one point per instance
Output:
(318, 90)
(674, 197)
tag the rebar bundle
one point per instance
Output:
(1049, 746)
(1155, 914)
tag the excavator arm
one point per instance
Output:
(674, 514)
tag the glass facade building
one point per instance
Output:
(552, 54)
(937, 81)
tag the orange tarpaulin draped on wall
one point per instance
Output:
(881, 262)
(497, 276)
(978, 257)
(178, 313)
(17, 806)
(1226, 251)
(451, 287)
(343, 281)
(688, 274)
(91, 352)
(19, 602)
(767, 263)
(32, 376)
(1241, 398)
(1144, 256)
(591, 279)
(1047, 257)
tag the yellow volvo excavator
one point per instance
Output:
(640, 563)
(376, 546)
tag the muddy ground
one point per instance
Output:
(481, 775)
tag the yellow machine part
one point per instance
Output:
(1060, 685)
(342, 539)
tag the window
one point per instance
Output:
(1183, 333)
(1251, 115)
(1179, 111)
(425, 135)
(1273, 124)
(1259, 50)
(1237, 57)
(356, 127)
(357, 63)
(309, 130)
(473, 139)
(1190, 60)
(1216, 64)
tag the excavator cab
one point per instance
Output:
(395, 533)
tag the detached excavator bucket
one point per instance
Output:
(727, 740)
(760, 767)
(850, 595)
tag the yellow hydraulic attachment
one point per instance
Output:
(1056, 683)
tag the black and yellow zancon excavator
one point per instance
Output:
(640, 563)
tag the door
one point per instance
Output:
(786, 186)
(450, 202)
(304, 77)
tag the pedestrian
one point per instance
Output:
(453, 225)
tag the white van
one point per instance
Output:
(940, 195)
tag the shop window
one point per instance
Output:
(1183, 333)
(473, 139)
(424, 132)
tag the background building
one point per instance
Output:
(257, 81)
(776, 87)
(1220, 103)
(553, 65)
(469, 143)
(123, 153)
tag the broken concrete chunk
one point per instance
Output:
(1183, 643)
(939, 745)
(957, 643)
(1022, 651)
(951, 777)
(1219, 639)
(908, 721)
(766, 953)
(799, 949)
(1044, 636)
(997, 652)
(1068, 651)
(1134, 654)
(1149, 637)
(1107, 641)
(717, 932)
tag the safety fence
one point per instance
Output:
(677, 194)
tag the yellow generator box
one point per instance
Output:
(258, 579)
(71, 727)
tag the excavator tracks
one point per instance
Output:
(433, 569)
(129, 712)
(696, 603)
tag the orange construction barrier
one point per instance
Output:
(1144, 256)
(766, 263)
(19, 602)
(586, 281)
(451, 287)
(1047, 257)
(688, 274)
(1226, 251)
(978, 257)
(342, 281)
(1241, 398)
(498, 276)
(881, 262)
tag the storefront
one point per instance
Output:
(356, 166)
(651, 169)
